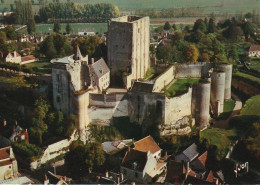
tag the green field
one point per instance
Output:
(99, 28)
(180, 87)
(223, 6)
(221, 138)
(250, 77)
(255, 64)
(40, 67)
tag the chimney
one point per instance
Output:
(188, 166)
(118, 180)
(4, 122)
(121, 177)
(92, 61)
(106, 174)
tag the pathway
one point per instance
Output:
(225, 123)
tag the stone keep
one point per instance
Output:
(128, 49)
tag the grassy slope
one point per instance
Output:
(252, 107)
(180, 86)
(221, 138)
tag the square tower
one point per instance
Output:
(128, 49)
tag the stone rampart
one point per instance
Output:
(178, 107)
(164, 79)
(197, 70)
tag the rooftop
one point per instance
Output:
(191, 152)
(135, 159)
(5, 153)
(147, 144)
(100, 67)
(142, 87)
(254, 48)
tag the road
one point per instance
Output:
(225, 123)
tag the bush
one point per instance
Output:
(28, 151)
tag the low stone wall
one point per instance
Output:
(105, 100)
(101, 112)
(164, 79)
(53, 151)
(196, 70)
(178, 107)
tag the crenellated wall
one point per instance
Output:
(197, 70)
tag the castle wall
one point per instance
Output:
(201, 103)
(197, 70)
(178, 107)
(217, 92)
(61, 89)
(227, 68)
(107, 106)
(128, 48)
(164, 79)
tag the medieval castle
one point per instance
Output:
(81, 87)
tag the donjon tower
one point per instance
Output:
(128, 49)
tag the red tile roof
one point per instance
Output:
(254, 48)
(203, 158)
(210, 177)
(5, 153)
(6, 162)
(27, 58)
(147, 144)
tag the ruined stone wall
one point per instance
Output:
(164, 79)
(145, 108)
(197, 70)
(61, 89)
(178, 107)
(128, 48)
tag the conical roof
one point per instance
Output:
(77, 54)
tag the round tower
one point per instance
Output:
(202, 103)
(217, 91)
(227, 68)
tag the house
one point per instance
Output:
(188, 155)
(254, 51)
(84, 33)
(31, 38)
(142, 163)
(8, 164)
(19, 134)
(100, 74)
(51, 178)
(16, 58)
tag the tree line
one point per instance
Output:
(70, 11)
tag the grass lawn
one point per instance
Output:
(255, 64)
(180, 87)
(252, 107)
(228, 108)
(253, 80)
(40, 67)
(99, 28)
(221, 138)
(7, 79)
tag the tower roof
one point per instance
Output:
(77, 54)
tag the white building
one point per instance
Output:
(8, 164)
(16, 58)
(254, 51)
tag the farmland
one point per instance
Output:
(208, 6)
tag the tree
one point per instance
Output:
(164, 53)
(200, 25)
(174, 27)
(248, 15)
(57, 27)
(68, 28)
(81, 158)
(191, 54)
(204, 57)
(31, 28)
(211, 26)
(2, 1)
(87, 44)
(39, 127)
(167, 26)
(2, 38)
(177, 37)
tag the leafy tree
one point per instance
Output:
(248, 29)
(177, 36)
(248, 15)
(87, 44)
(31, 28)
(164, 53)
(57, 27)
(174, 26)
(191, 54)
(82, 157)
(211, 26)
(200, 25)
(39, 126)
(167, 26)
(204, 57)
(10, 33)
(68, 28)
(2, 38)
(2, 1)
